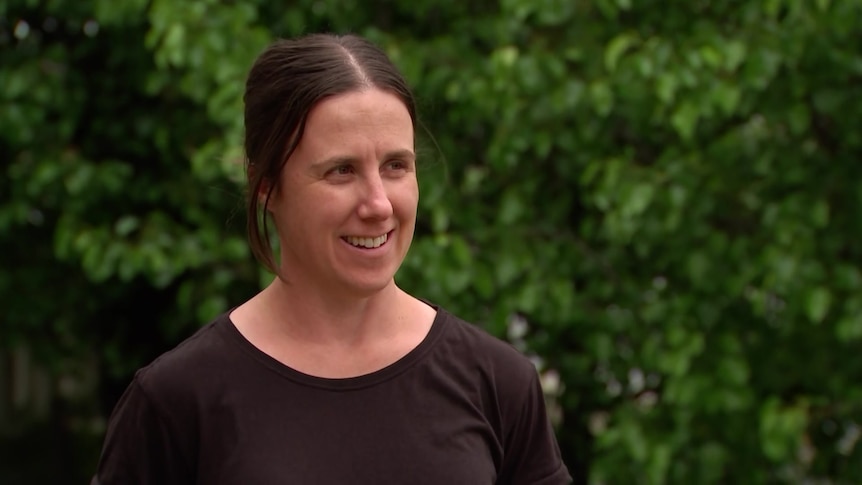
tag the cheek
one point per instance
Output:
(290, 215)
(316, 214)
(407, 193)
(406, 203)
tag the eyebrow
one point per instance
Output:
(341, 159)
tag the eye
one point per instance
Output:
(344, 169)
(397, 165)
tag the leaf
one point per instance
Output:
(734, 370)
(511, 207)
(461, 251)
(483, 282)
(637, 200)
(735, 52)
(820, 213)
(781, 428)
(439, 219)
(602, 97)
(505, 57)
(799, 118)
(684, 120)
(711, 56)
(616, 48)
(849, 328)
(666, 85)
(726, 96)
(507, 269)
(125, 225)
(817, 304)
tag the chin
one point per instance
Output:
(369, 287)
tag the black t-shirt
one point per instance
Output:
(460, 408)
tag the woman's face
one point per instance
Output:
(345, 206)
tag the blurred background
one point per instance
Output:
(659, 201)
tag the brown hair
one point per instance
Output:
(286, 81)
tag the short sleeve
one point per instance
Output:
(140, 447)
(531, 455)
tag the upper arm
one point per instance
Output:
(143, 445)
(531, 453)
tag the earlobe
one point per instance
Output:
(260, 186)
(265, 192)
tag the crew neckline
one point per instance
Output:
(438, 327)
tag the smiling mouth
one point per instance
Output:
(367, 242)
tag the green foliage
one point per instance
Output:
(668, 193)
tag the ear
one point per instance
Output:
(259, 182)
(265, 191)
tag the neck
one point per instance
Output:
(316, 317)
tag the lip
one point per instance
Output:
(371, 250)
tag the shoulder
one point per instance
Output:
(511, 397)
(498, 372)
(473, 346)
(153, 429)
(187, 366)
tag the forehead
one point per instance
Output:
(356, 112)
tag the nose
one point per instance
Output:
(375, 203)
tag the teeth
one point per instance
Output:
(367, 242)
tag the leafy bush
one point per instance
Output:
(660, 199)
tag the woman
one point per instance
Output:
(332, 374)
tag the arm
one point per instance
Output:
(531, 453)
(141, 446)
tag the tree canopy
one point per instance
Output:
(661, 201)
